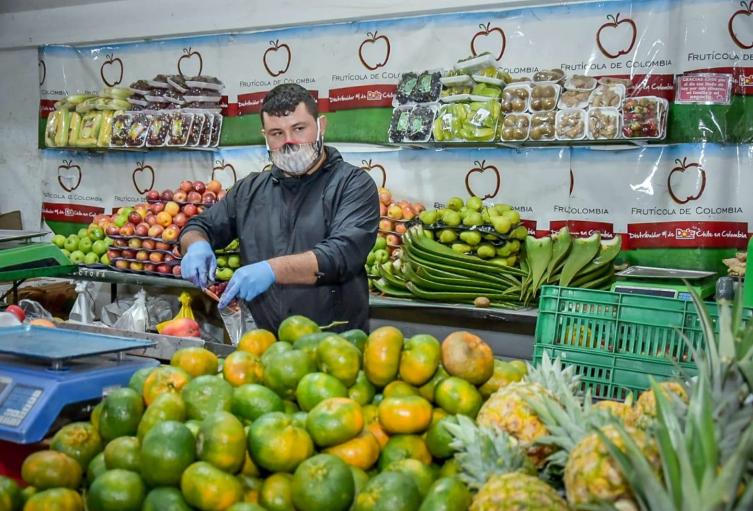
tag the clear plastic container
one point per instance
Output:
(202, 99)
(198, 124)
(138, 129)
(158, 130)
(471, 65)
(573, 99)
(644, 117)
(515, 127)
(607, 96)
(544, 97)
(121, 123)
(516, 98)
(89, 130)
(488, 80)
(455, 98)
(580, 82)
(178, 83)
(571, 124)
(179, 128)
(449, 121)
(420, 122)
(603, 123)
(457, 81)
(216, 130)
(206, 83)
(399, 124)
(206, 131)
(543, 126)
(549, 75)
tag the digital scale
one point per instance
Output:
(663, 282)
(46, 370)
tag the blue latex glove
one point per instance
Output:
(199, 264)
(248, 282)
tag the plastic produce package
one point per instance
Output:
(83, 308)
(158, 309)
(237, 320)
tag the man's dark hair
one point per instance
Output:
(284, 98)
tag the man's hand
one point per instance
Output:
(248, 282)
(199, 264)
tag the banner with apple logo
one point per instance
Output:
(78, 186)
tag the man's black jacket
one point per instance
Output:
(334, 212)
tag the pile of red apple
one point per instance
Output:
(146, 236)
(395, 218)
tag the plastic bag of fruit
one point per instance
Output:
(237, 320)
(83, 308)
(136, 317)
(185, 310)
(159, 309)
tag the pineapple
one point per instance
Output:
(708, 444)
(646, 405)
(497, 469)
(508, 408)
(622, 411)
(590, 474)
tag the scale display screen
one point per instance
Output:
(17, 404)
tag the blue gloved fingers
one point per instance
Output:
(202, 276)
(212, 268)
(230, 292)
(188, 271)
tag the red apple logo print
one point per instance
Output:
(741, 27)
(490, 39)
(143, 178)
(277, 58)
(685, 190)
(572, 182)
(69, 176)
(111, 70)
(480, 168)
(42, 71)
(221, 170)
(368, 166)
(374, 52)
(617, 36)
(190, 63)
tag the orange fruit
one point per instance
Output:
(420, 359)
(468, 357)
(242, 367)
(334, 420)
(405, 415)
(361, 451)
(42, 322)
(206, 487)
(164, 379)
(381, 358)
(504, 373)
(276, 444)
(399, 388)
(457, 396)
(401, 447)
(195, 361)
(257, 341)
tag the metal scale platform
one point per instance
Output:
(44, 370)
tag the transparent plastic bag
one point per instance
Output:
(83, 307)
(34, 310)
(237, 321)
(136, 318)
(159, 309)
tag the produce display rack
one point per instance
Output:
(614, 144)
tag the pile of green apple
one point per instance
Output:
(490, 232)
(88, 247)
(228, 260)
(378, 255)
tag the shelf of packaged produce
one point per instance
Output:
(510, 333)
(132, 149)
(615, 145)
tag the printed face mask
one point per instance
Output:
(297, 159)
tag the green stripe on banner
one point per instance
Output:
(365, 125)
(65, 228)
(731, 124)
(708, 259)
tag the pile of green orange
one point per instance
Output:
(305, 420)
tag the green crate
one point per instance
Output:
(616, 341)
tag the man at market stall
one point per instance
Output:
(305, 227)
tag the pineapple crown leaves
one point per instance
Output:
(694, 478)
(484, 451)
(553, 376)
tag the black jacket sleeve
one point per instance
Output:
(353, 231)
(218, 223)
